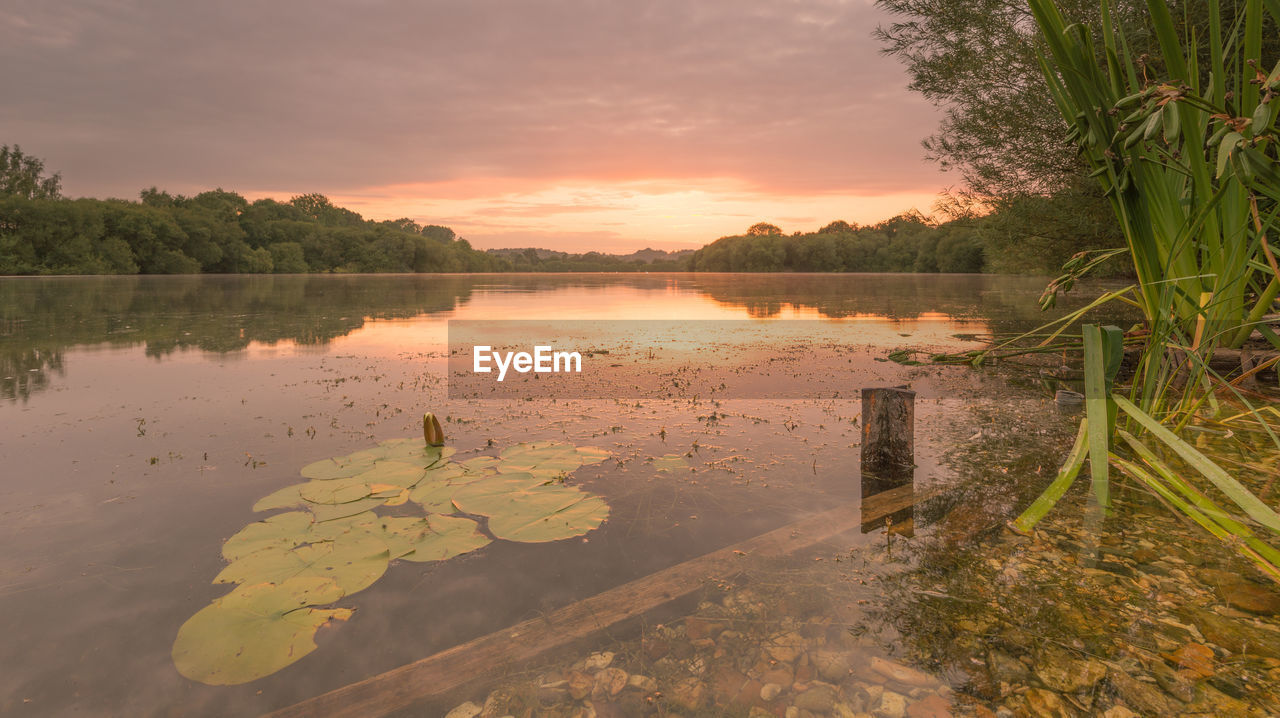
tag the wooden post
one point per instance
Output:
(888, 452)
(888, 431)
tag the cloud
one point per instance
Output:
(783, 97)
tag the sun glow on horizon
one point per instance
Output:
(616, 216)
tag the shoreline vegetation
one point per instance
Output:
(221, 232)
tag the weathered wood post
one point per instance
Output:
(888, 449)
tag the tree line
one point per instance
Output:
(218, 231)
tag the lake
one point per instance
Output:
(144, 416)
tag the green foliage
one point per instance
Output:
(764, 229)
(22, 175)
(1193, 181)
(1185, 150)
(220, 232)
(334, 544)
(906, 243)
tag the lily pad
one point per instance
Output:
(255, 630)
(290, 563)
(330, 512)
(282, 531)
(522, 508)
(479, 464)
(412, 451)
(336, 491)
(398, 473)
(353, 563)
(341, 467)
(542, 458)
(285, 498)
(574, 519)
(434, 498)
(435, 538)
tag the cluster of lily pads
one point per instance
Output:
(332, 542)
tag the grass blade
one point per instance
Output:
(1234, 490)
(1095, 402)
(1066, 476)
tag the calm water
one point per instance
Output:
(143, 417)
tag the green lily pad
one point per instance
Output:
(435, 538)
(290, 563)
(330, 512)
(395, 473)
(435, 491)
(542, 458)
(396, 534)
(479, 464)
(335, 491)
(670, 462)
(255, 630)
(520, 510)
(285, 498)
(340, 468)
(279, 531)
(434, 498)
(353, 562)
(412, 451)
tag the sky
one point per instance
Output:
(567, 124)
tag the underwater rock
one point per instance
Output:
(820, 698)
(782, 675)
(1233, 634)
(770, 691)
(1146, 698)
(1209, 700)
(579, 684)
(644, 684)
(1251, 597)
(891, 705)
(655, 648)
(611, 681)
(900, 674)
(1173, 684)
(831, 665)
(698, 628)
(931, 706)
(598, 661)
(466, 710)
(1194, 659)
(1045, 704)
(1004, 668)
(786, 647)
(689, 694)
(1061, 672)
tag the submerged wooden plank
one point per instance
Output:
(437, 674)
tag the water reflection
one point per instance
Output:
(40, 318)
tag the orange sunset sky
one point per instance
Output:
(565, 124)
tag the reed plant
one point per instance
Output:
(1185, 147)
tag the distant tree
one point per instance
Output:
(439, 233)
(839, 227)
(22, 175)
(404, 224)
(318, 207)
(764, 229)
(154, 197)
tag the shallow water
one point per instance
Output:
(143, 417)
